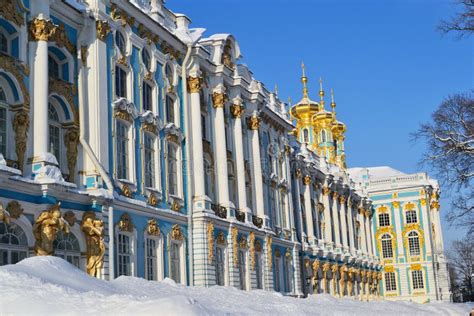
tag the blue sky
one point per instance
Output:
(386, 62)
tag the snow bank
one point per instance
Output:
(50, 285)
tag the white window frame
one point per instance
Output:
(174, 99)
(384, 219)
(385, 250)
(156, 158)
(130, 154)
(8, 128)
(411, 217)
(9, 248)
(278, 275)
(179, 179)
(414, 247)
(182, 260)
(390, 279)
(224, 264)
(243, 269)
(418, 280)
(159, 268)
(259, 263)
(133, 249)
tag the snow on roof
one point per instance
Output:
(361, 174)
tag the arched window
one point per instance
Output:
(3, 42)
(384, 219)
(13, 244)
(414, 244)
(305, 135)
(54, 132)
(220, 266)
(387, 249)
(411, 217)
(120, 42)
(54, 70)
(66, 246)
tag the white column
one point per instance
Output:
(218, 99)
(335, 217)
(363, 245)
(351, 227)
(367, 231)
(327, 215)
(437, 227)
(308, 208)
(342, 200)
(426, 226)
(237, 110)
(254, 124)
(194, 88)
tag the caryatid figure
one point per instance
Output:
(326, 268)
(363, 280)
(315, 276)
(94, 232)
(342, 280)
(350, 281)
(334, 269)
(46, 228)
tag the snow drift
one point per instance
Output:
(50, 285)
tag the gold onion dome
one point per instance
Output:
(305, 108)
(338, 127)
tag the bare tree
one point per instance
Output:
(463, 22)
(461, 259)
(450, 152)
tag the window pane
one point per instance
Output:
(172, 170)
(120, 82)
(147, 97)
(122, 150)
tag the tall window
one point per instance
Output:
(288, 274)
(384, 219)
(151, 258)
(53, 68)
(411, 217)
(120, 42)
(390, 282)
(147, 97)
(146, 59)
(258, 270)
(417, 279)
(124, 255)
(203, 127)
(3, 126)
(122, 150)
(170, 117)
(13, 244)
(323, 136)
(242, 270)
(414, 244)
(66, 246)
(306, 135)
(172, 169)
(3, 43)
(277, 285)
(149, 160)
(175, 264)
(220, 263)
(54, 132)
(120, 82)
(387, 250)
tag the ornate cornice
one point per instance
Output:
(42, 30)
(147, 34)
(117, 14)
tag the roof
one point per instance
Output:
(361, 174)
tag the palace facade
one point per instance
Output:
(131, 144)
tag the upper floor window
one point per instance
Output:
(153, 258)
(120, 82)
(66, 246)
(414, 244)
(170, 116)
(384, 219)
(54, 132)
(417, 279)
(147, 97)
(203, 127)
(149, 153)
(13, 243)
(220, 266)
(146, 58)
(387, 250)
(172, 169)
(169, 73)
(53, 67)
(323, 136)
(411, 217)
(122, 142)
(3, 43)
(120, 42)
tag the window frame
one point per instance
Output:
(417, 278)
(414, 245)
(411, 217)
(159, 264)
(133, 251)
(222, 266)
(177, 151)
(118, 82)
(129, 150)
(390, 281)
(156, 185)
(388, 247)
(182, 261)
(384, 219)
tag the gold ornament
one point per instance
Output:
(307, 180)
(298, 173)
(71, 140)
(84, 54)
(103, 29)
(396, 204)
(434, 205)
(342, 280)
(147, 34)
(218, 99)
(117, 14)
(254, 122)
(326, 191)
(176, 233)
(175, 206)
(342, 199)
(234, 234)
(125, 224)
(93, 229)
(194, 84)
(9, 11)
(210, 241)
(60, 37)
(66, 90)
(237, 110)
(423, 202)
(269, 251)
(152, 227)
(42, 30)
(21, 124)
(243, 243)
(18, 70)
(409, 206)
(221, 238)
(251, 245)
(46, 228)
(70, 218)
(258, 246)
(152, 200)
(4, 215)
(126, 191)
(14, 209)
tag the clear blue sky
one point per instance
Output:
(386, 62)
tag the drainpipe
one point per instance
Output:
(82, 86)
(188, 167)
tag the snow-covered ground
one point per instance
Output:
(50, 285)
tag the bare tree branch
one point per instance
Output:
(462, 23)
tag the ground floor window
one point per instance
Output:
(124, 254)
(417, 279)
(152, 258)
(175, 262)
(242, 270)
(66, 246)
(220, 263)
(13, 244)
(288, 274)
(390, 282)
(277, 275)
(258, 270)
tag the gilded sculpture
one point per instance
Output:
(152, 228)
(334, 269)
(93, 229)
(194, 84)
(152, 200)
(210, 241)
(103, 29)
(71, 140)
(251, 245)
(269, 251)
(4, 215)
(237, 110)
(315, 276)
(307, 180)
(46, 228)
(176, 233)
(14, 209)
(221, 238)
(42, 30)
(234, 234)
(254, 122)
(351, 276)
(21, 125)
(125, 223)
(342, 280)
(8, 11)
(326, 268)
(218, 99)
(126, 191)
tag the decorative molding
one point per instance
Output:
(41, 30)
(218, 99)
(221, 238)
(124, 110)
(125, 223)
(21, 125)
(60, 37)
(251, 245)
(14, 209)
(150, 122)
(254, 122)
(326, 190)
(152, 227)
(396, 204)
(194, 84)
(269, 251)
(18, 70)
(66, 90)
(307, 180)
(152, 200)
(210, 241)
(147, 34)
(176, 233)
(103, 29)
(71, 140)
(117, 14)
(237, 110)
(409, 206)
(234, 235)
(126, 191)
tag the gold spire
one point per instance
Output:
(304, 81)
(321, 93)
(333, 105)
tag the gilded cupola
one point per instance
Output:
(318, 128)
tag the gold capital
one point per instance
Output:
(218, 99)
(194, 84)
(42, 30)
(103, 29)
(237, 110)
(254, 122)
(307, 180)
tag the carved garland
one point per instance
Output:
(210, 241)
(251, 245)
